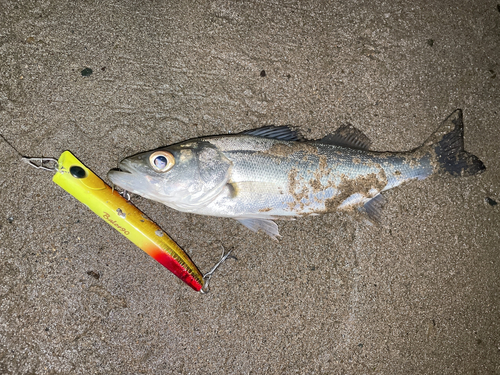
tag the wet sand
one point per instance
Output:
(417, 295)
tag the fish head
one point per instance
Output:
(182, 176)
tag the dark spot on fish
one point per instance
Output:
(86, 72)
(491, 201)
(103, 68)
(397, 173)
(430, 42)
(312, 268)
(498, 7)
(262, 73)
(46, 329)
(479, 341)
(360, 345)
(94, 274)
(493, 74)
(288, 76)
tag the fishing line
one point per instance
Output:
(10, 144)
(38, 163)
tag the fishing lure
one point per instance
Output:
(108, 204)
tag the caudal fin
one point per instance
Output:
(448, 144)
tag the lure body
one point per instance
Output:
(89, 189)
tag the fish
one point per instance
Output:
(271, 173)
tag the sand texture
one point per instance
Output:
(417, 295)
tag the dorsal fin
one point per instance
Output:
(347, 136)
(283, 133)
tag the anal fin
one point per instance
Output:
(374, 208)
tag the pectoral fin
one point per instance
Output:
(267, 226)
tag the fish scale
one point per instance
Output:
(310, 188)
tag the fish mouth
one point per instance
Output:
(123, 166)
(122, 176)
(119, 170)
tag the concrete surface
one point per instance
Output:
(419, 295)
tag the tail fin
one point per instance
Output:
(448, 144)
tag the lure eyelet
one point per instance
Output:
(161, 161)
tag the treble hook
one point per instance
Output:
(125, 194)
(209, 274)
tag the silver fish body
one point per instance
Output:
(267, 174)
(272, 178)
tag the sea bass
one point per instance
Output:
(265, 174)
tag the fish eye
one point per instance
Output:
(162, 161)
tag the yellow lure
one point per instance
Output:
(122, 215)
